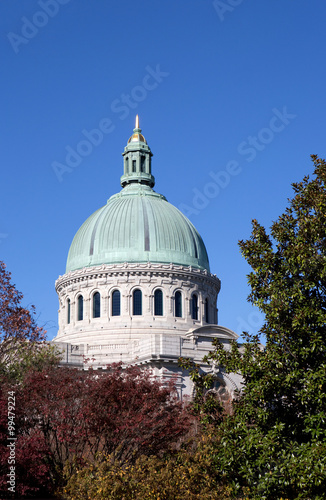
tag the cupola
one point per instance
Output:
(137, 155)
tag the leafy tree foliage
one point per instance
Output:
(185, 474)
(16, 322)
(22, 342)
(31, 453)
(272, 446)
(22, 347)
(28, 356)
(207, 404)
(276, 441)
(122, 412)
(67, 416)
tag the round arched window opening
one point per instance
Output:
(96, 305)
(158, 303)
(178, 304)
(137, 303)
(80, 303)
(116, 303)
(194, 307)
(206, 310)
(68, 311)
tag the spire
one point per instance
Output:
(137, 136)
(137, 155)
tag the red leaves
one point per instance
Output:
(17, 324)
(31, 457)
(68, 415)
(122, 412)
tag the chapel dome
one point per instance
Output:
(137, 224)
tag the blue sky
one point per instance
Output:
(231, 98)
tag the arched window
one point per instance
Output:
(127, 165)
(96, 305)
(134, 165)
(158, 303)
(68, 311)
(194, 307)
(116, 303)
(206, 311)
(137, 303)
(178, 304)
(80, 307)
(142, 163)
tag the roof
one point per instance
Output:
(137, 225)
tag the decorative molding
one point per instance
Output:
(189, 274)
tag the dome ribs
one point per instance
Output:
(137, 225)
(146, 227)
(91, 247)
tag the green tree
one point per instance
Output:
(275, 443)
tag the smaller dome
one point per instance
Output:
(137, 137)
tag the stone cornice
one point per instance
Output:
(144, 269)
(212, 331)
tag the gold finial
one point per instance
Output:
(137, 121)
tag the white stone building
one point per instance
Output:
(138, 287)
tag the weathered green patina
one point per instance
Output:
(137, 224)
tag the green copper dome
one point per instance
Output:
(137, 224)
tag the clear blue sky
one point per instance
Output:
(236, 88)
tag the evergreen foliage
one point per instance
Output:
(275, 443)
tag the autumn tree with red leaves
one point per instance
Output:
(124, 412)
(22, 346)
(66, 417)
(21, 340)
(16, 322)
(32, 468)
